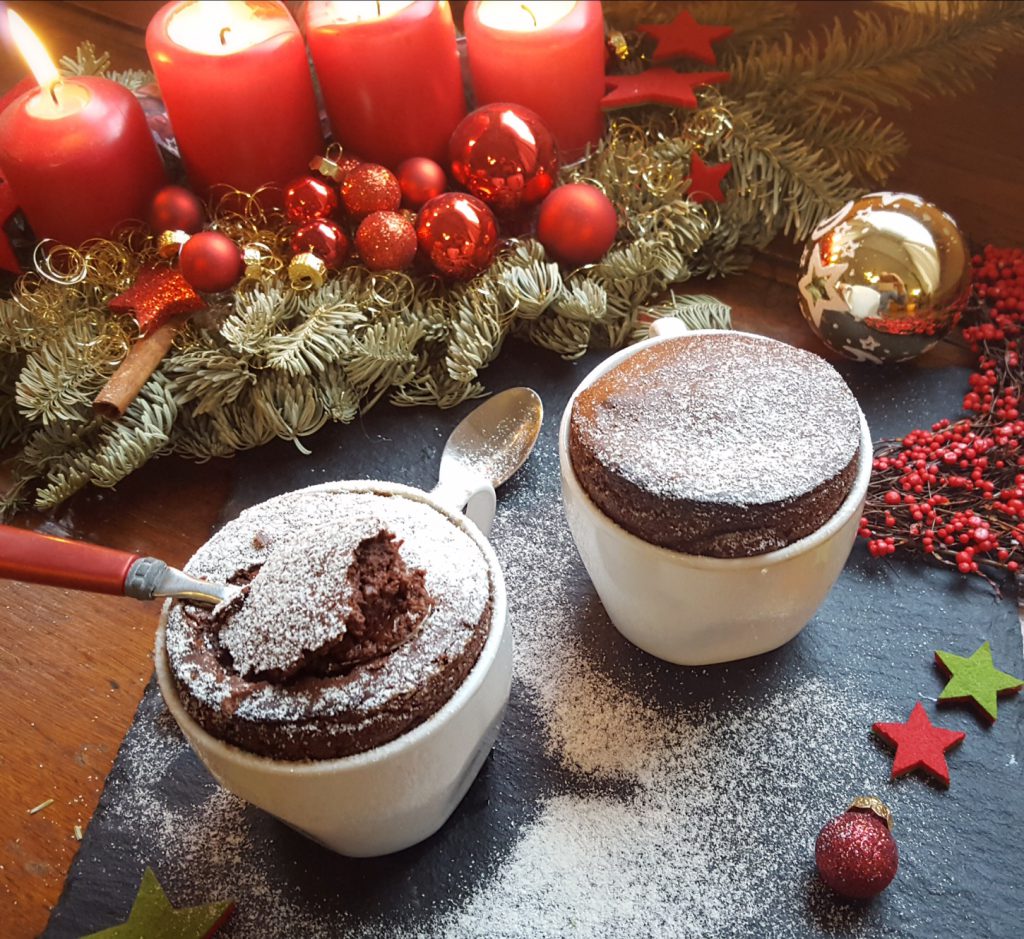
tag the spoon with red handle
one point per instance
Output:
(79, 565)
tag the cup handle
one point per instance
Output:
(667, 326)
(472, 496)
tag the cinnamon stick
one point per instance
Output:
(142, 360)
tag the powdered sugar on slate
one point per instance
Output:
(725, 418)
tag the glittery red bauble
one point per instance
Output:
(386, 241)
(370, 188)
(210, 262)
(421, 180)
(457, 234)
(324, 239)
(309, 198)
(504, 154)
(856, 854)
(577, 224)
(175, 209)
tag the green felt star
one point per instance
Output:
(975, 679)
(153, 917)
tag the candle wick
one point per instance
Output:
(224, 35)
(378, 7)
(528, 10)
(53, 91)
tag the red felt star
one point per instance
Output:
(706, 181)
(8, 206)
(684, 37)
(156, 296)
(657, 86)
(919, 744)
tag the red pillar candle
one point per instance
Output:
(238, 90)
(548, 55)
(77, 153)
(390, 76)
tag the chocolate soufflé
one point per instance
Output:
(718, 444)
(360, 615)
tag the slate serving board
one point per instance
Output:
(866, 656)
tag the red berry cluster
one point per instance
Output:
(956, 491)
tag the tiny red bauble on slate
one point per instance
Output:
(856, 853)
(211, 262)
(309, 198)
(457, 234)
(421, 179)
(370, 188)
(324, 239)
(577, 224)
(504, 155)
(175, 209)
(386, 241)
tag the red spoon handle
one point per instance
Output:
(77, 565)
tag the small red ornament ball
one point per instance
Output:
(210, 262)
(856, 854)
(370, 188)
(457, 234)
(386, 241)
(175, 209)
(309, 198)
(324, 239)
(504, 155)
(421, 179)
(577, 224)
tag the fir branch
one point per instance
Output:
(886, 61)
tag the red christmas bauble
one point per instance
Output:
(577, 224)
(503, 154)
(386, 241)
(421, 179)
(309, 198)
(210, 262)
(457, 234)
(370, 188)
(856, 854)
(175, 209)
(324, 239)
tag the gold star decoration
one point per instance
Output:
(153, 917)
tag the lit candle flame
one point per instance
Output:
(34, 53)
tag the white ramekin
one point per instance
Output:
(397, 794)
(694, 610)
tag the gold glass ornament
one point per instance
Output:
(885, 278)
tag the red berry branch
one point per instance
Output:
(956, 492)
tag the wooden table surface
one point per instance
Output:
(72, 665)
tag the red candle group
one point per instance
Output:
(389, 74)
(238, 90)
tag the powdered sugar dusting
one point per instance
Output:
(456, 578)
(300, 599)
(722, 418)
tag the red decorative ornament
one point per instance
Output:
(920, 745)
(309, 198)
(334, 165)
(657, 86)
(175, 209)
(684, 38)
(577, 224)
(324, 239)
(504, 155)
(211, 262)
(457, 234)
(856, 853)
(386, 241)
(706, 181)
(156, 296)
(421, 179)
(370, 188)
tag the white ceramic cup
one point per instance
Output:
(694, 610)
(395, 795)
